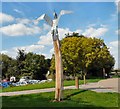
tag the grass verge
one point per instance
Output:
(72, 98)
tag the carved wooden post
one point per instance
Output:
(59, 71)
(58, 58)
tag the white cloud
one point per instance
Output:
(93, 32)
(91, 25)
(19, 30)
(78, 31)
(4, 52)
(46, 27)
(11, 52)
(63, 31)
(47, 56)
(18, 11)
(90, 32)
(23, 26)
(47, 39)
(30, 48)
(6, 18)
(23, 21)
(115, 43)
(52, 51)
(114, 51)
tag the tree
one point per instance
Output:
(70, 55)
(25, 64)
(84, 55)
(36, 66)
(7, 65)
(20, 61)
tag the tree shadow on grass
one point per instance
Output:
(84, 104)
(81, 104)
(73, 94)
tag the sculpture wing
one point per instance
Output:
(38, 19)
(63, 12)
(44, 17)
(48, 20)
(41, 17)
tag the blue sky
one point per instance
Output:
(92, 19)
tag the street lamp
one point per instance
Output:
(58, 58)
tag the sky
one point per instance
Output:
(92, 19)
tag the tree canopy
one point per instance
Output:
(86, 55)
(25, 64)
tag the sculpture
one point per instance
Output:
(58, 58)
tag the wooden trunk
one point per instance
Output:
(84, 79)
(77, 82)
(59, 71)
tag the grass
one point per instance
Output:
(44, 85)
(72, 98)
(116, 76)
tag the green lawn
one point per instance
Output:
(44, 85)
(115, 76)
(72, 98)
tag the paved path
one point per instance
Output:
(32, 91)
(108, 85)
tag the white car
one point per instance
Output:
(24, 78)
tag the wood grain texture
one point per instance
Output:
(59, 71)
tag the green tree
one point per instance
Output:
(25, 64)
(84, 55)
(7, 65)
(36, 66)
(20, 62)
(70, 55)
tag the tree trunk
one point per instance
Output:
(77, 82)
(103, 72)
(59, 71)
(84, 76)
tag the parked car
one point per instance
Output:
(24, 78)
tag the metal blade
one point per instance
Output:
(48, 20)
